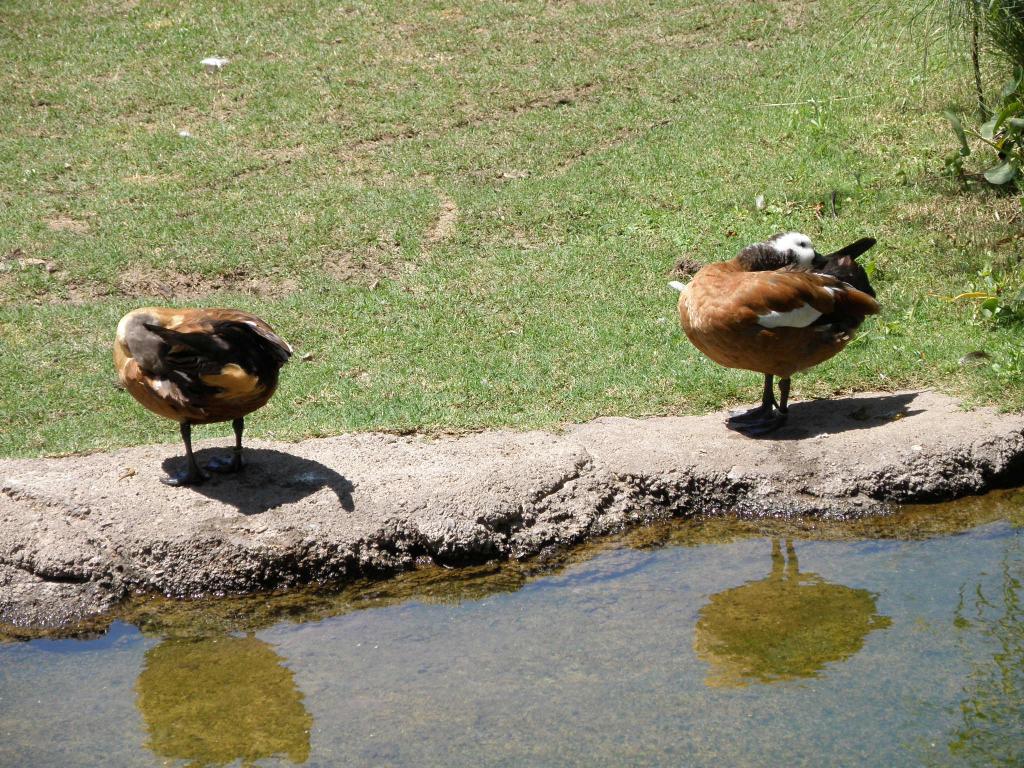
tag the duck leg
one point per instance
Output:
(766, 406)
(234, 464)
(192, 475)
(768, 416)
(784, 395)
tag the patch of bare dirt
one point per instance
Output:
(444, 226)
(685, 268)
(381, 259)
(561, 98)
(382, 138)
(527, 241)
(167, 284)
(68, 224)
(794, 13)
(17, 261)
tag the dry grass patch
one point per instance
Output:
(168, 284)
(989, 219)
(68, 224)
(444, 226)
(380, 260)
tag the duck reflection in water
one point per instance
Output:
(215, 701)
(783, 627)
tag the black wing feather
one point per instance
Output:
(188, 356)
(854, 249)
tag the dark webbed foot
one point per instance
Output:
(753, 415)
(225, 466)
(190, 476)
(769, 421)
(768, 416)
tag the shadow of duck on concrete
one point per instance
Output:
(830, 417)
(269, 479)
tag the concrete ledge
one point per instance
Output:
(80, 534)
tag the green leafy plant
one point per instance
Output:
(1003, 132)
(999, 295)
(1010, 366)
(954, 164)
(996, 27)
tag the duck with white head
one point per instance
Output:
(777, 308)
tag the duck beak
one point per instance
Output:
(819, 260)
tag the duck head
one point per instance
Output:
(786, 249)
(797, 249)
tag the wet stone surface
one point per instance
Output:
(79, 535)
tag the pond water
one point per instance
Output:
(889, 643)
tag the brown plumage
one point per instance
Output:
(199, 366)
(776, 321)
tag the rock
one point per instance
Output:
(214, 63)
(978, 357)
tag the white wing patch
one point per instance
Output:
(677, 285)
(800, 317)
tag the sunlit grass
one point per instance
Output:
(467, 213)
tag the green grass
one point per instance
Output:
(583, 148)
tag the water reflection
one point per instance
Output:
(786, 626)
(219, 700)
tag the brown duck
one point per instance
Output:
(199, 366)
(779, 307)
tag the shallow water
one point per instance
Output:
(896, 642)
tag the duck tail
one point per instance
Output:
(854, 249)
(855, 303)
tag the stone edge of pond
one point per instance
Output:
(79, 535)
